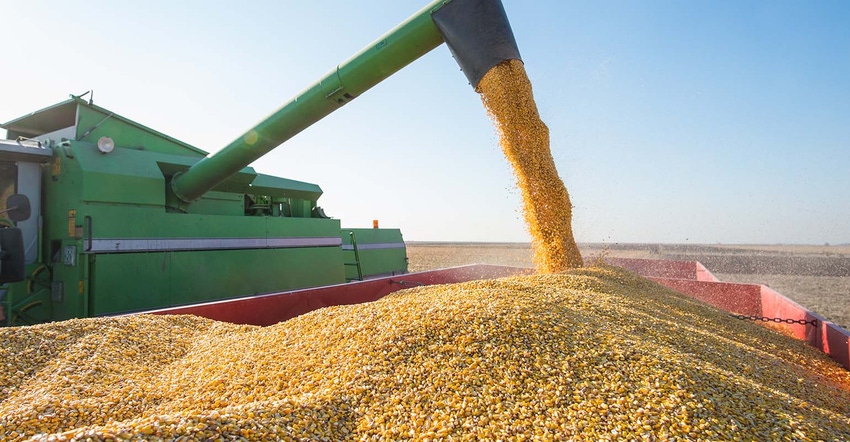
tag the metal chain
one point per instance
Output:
(813, 322)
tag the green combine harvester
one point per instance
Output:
(106, 216)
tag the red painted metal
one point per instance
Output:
(741, 299)
(272, 308)
(826, 336)
(660, 268)
(745, 299)
(703, 274)
(656, 267)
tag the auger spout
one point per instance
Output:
(476, 31)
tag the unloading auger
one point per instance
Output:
(476, 31)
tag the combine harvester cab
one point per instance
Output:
(128, 219)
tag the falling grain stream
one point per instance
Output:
(507, 96)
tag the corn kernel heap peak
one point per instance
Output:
(507, 95)
(592, 353)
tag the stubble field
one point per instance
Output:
(817, 277)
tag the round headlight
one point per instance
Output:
(105, 145)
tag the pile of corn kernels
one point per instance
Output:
(592, 354)
(508, 97)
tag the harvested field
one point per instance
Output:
(817, 277)
(428, 256)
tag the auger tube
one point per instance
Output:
(479, 37)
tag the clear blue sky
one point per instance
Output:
(671, 121)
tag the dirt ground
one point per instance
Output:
(817, 277)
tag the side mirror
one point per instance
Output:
(17, 207)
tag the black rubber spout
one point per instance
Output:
(478, 34)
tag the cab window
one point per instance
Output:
(8, 179)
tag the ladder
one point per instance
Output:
(356, 259)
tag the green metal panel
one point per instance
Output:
(129, 282)
(26, 302)
(170, 165)
(219, 203)
(285, 188)
(201, 276)
(131, 176)
(178, 278)
(69, 291)
(141, 222)
(123, 176)
(124, 281)
(381, 252)
(128, 176)
(94, 122)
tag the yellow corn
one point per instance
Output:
(507, 96)
(592, 354)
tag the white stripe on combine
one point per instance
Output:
(375, 246)
(125, 245)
